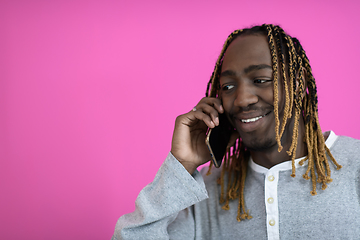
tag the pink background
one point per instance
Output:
(89, 91)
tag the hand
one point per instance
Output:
(188, 143)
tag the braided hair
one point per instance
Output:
(300, 100)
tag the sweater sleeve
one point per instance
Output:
(163, 208)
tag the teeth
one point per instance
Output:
(251, 119)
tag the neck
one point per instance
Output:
(271, 156)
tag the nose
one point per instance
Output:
(245, 95)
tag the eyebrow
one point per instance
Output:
(231, 73)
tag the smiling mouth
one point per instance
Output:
(250, 120)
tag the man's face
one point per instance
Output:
(246, 90)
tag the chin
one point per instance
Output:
(259, 145)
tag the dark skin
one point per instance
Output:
(246, 91)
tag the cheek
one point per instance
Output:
(281, 98)
(267, 95)
(227, 102)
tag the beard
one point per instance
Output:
(259, 145)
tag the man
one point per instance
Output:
(263, 83)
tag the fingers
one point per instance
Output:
(208, 110)
(210, 101)
(211, 122)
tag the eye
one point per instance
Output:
(227, 87)
(259, 81)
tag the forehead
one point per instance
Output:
(247, 50)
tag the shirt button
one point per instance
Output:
(272, 222)
(271, 178)
(270, 200)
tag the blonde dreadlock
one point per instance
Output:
(285, 51)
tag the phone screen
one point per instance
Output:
(218, 139)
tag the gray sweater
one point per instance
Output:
(177, 205)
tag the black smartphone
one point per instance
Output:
(218, 138)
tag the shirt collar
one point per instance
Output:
(287, 165)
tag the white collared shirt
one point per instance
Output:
(271, 188)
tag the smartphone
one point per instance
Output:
(218, 138)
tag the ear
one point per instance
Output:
(304, 74)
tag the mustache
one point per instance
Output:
(240, 110)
